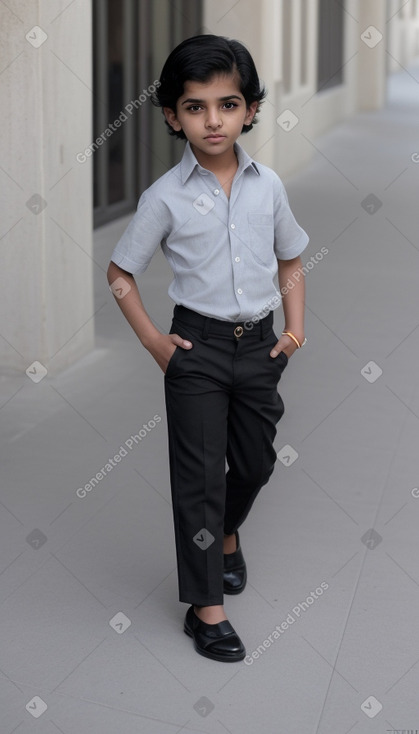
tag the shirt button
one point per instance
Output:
(233, 226)
(239, 291)
(237, 259)
(216, 191)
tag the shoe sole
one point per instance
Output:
(212, 655)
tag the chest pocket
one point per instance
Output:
(261, 236)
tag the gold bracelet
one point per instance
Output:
(294, 338)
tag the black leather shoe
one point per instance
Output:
(215, 641)
(235, 573)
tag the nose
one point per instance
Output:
(213, 118)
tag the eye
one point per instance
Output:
(194, 108)
(231, 105)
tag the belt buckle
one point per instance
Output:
(238, 332)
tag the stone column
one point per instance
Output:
(372, 54)
(46, 294)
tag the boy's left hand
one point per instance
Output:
(284, 344)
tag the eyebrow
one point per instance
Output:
(221, 99)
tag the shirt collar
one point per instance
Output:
(189, 162)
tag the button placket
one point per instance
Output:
(212, 184)
(232, 227)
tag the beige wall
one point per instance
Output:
(403, 36)
(46, 298)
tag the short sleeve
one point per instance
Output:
(290, 238)
(149, 226)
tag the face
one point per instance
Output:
(211, 114)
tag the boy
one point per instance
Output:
(225, 226)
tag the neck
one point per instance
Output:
(217, 164)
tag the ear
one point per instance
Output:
(251, 111)
(171, 118)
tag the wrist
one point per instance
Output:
(297, 337)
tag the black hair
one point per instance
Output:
(199, 59)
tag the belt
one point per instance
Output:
(226, 329)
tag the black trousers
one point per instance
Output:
(222, 406)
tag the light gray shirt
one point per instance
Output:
(222, 250)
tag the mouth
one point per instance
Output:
(214, 137)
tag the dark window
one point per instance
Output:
(330, 48)
(116, 97)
